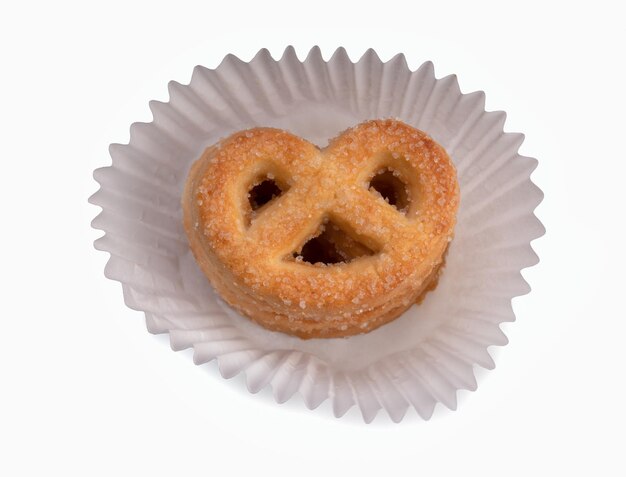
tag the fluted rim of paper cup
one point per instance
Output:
(419, 378)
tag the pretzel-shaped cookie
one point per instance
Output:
(303, 240)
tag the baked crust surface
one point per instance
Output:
(390, 255)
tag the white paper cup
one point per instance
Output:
(421, 358)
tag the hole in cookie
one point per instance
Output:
(388, 183)
(263, 192)
(332, 246)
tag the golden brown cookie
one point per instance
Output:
(322, 243)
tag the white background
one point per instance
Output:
(86, 390)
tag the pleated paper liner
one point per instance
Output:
(422, 358)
